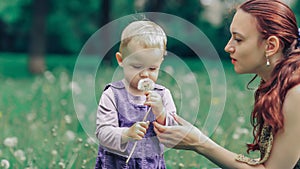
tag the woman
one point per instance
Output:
(265, 41)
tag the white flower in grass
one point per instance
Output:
(20, 155)
(75, 87)
(11, 141)
(49, 76)
(169, 70)
(189, 78)
(30, 117)
(146, 84)
(241, 119)
(68, 119)
(236, 136)
(4, 164)
(70, 135)
(62, 165)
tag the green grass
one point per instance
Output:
(39, 112)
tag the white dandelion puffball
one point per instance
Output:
(4, 163)
(11, 141)
(146, 84)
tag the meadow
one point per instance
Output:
(41, 129)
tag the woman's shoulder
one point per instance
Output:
(291, 104)
(294, 92)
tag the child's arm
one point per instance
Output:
(108, 131)
(170, 108)
(163, 107)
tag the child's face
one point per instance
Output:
(141, 63)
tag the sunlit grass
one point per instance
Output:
(40, 129)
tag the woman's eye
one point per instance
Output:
(237, 39)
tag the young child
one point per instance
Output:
(123, 104)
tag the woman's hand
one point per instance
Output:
(137, 131)
(184, 136)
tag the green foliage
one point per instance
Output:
(11, 11)
(70, 23)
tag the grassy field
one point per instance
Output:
(41, 129)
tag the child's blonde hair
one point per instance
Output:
(145, 33)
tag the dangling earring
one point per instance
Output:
(268, 61)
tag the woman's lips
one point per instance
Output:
(233, 61)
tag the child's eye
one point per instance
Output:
(137, 66)
(152, 68)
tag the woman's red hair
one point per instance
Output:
(274, 18)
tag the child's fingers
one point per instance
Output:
(144, 124)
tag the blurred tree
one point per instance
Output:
(70, 24)
(37, 41)
(296, 9)
(154, 5)
(14, 25)
(105, 9)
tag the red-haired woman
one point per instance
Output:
(265, 41)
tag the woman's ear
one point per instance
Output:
(273, 46)
(119, 59)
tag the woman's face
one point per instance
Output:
(246, 47)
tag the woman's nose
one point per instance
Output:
(229, 48)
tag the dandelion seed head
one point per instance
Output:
(68, 119)
(181, 165)
(235, 136)
(79, 140)
(11, 141)
(54, 152)
(146, 84)
(19, 154)
(241, 119)
(62, 165)
(4, 164)
(49, 76)
(75, 87)
(169, 70)
(70, 135)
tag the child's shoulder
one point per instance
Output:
(116, 85)
(159, 87)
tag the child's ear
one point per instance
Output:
(119, 59)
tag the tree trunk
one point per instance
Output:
(105, 18)
(37, 46)
(154, 5)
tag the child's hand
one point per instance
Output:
(138, 130)
(154, 100)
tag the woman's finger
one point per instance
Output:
(158, 127)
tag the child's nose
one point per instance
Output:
(144, 73)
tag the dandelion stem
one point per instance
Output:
(133, 148)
